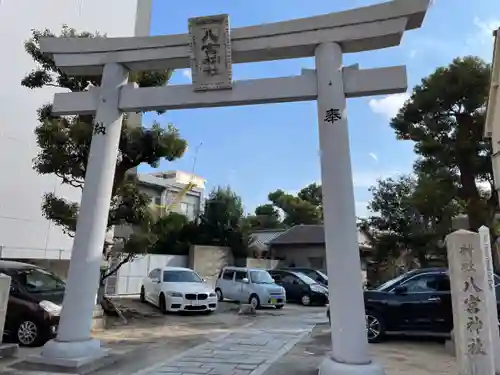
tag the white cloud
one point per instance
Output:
(484, 31)
(187, 73)
(412, 53)
(389, 105)
(373, 156)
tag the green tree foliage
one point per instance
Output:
(445, 117)
(303, 208)
(411, 214)
(266, 217)
(222, 222)
(174, 234)
(64, 144)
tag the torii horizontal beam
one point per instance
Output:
(357, 83)
(368, 28)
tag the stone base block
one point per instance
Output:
(247, 310)
(99, 319)
(449, 346)
(8, 350)
(331, 367)
(69, 358)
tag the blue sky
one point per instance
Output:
(258, 149)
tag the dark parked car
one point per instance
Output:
(415, 303)
(34, 303)
(316, 275)
(300, 288)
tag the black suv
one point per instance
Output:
(34, 303)
(415, 303)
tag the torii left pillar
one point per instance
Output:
(74, 346)
(349, 340)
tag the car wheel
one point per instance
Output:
(375, 327)
(279, 307)
(162, 304)
(254, 301)
(28, 333)
(142, 296)
(305, 300)
(220, 297)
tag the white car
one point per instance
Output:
(178, 289)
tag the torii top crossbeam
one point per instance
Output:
(367, 28)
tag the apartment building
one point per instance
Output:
(174, 191)
(24, 232)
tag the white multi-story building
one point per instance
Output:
(165, 188)
(24, 232)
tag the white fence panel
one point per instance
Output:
(130, 275)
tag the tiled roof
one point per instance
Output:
(310, 235)
(264, 237)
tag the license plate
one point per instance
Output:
(273, 301)
(194, 303)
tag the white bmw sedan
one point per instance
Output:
(178, 289)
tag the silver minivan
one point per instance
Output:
(249, 285)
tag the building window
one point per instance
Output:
(191, 211)
(157, 200)
(183, 208)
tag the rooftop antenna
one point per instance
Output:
(195, 155)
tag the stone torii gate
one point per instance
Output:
(210, 49)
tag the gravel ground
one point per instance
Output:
(398, 356)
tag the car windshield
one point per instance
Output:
(305, 278)
(261, 277)
(36, 280)
(183, 276)
(391, 283)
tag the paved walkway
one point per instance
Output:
(248, 351)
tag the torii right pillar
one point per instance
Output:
(348, 327)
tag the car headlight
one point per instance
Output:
(50, 307)
(174, 294)
(212, 294)
(318, 289)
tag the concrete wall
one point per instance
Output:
(262, 263)
(58, 267)
(23, 230)
(209, 260)
(128, 279)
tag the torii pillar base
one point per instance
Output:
(331, 367)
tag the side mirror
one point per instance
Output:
(245, 280)
(274, 281)
(400, 290)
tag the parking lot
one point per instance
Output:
(151, 338)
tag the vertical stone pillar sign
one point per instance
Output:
(471, 289)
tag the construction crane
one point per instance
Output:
(190, 185)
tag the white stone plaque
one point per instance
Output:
(210, 46)
(471, 306)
